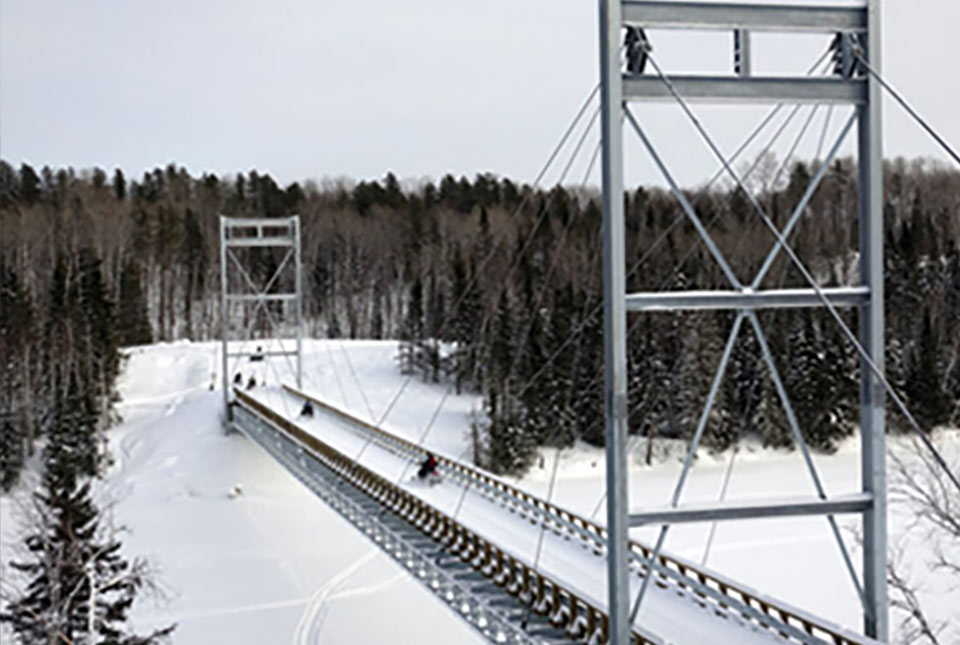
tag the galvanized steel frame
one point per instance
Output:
(263, 233)
(864, 94)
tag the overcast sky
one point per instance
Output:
(312, 89)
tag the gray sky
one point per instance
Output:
(312, 89)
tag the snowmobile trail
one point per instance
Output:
(311, 620)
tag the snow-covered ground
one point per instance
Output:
(276, 565)
(273, 565)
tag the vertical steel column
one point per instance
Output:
(223, 317)
(872, 413)
(743, 57)
(299, 302)
(615, 321)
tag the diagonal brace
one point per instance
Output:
(691, 213)
(798, 437)
(802, 206)
(688, 462)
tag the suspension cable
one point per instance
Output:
(514, 264)
(501, 237)
(786, 160)
(353, 372)
(680, 218)
(864, 355)
(906, 106)
(543, 531)
(554, 259)
(336, 373)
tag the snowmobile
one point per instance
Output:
(428, 471)
(307, 410)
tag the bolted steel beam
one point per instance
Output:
(729, 15)
(746, 299)
(742, 510)
(752, 89)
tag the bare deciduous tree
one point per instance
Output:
(919, 484)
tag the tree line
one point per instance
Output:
(59, 349)
(491, 286)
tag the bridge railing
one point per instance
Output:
(709, 588)
(581, 620)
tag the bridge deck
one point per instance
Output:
(669, 612)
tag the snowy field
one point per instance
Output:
(275, 565)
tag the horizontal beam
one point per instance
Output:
(771, 299)
(271, 353)
(753, 89)
(259, 241)
(755, 17)
(741, 510)
(257, 222)
(253, 297)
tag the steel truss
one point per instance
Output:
(247, 233)
(446, 567)
(858, 35)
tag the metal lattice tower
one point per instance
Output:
(239, 288)
(857, 31)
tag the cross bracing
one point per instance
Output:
(855, 36)
(241, 291)
(481, 554)
(645, 80)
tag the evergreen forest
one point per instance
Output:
(491, 286)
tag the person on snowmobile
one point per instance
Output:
(428, 467)
(307, 410)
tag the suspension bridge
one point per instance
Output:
(519, 568)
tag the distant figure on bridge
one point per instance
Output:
(428, 467)
(252, 383)
(307, 410)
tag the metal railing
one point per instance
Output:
(562, 608)
(708, 589)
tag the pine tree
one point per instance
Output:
(119, 185)
(588, 381)
(16, 342)
(510, 448)
(133, 323)
(29, 186)
(79, 588)
(460, 362)
(194, 262)
(926, 393)
(428, 355)
(96, 334)
(411, 335)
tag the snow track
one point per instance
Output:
(311, 621)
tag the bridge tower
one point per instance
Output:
(638, 77)
(250, 298)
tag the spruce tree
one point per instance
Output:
(30, 191)
(465, 321)
(16, 342)
(133, 323)
(119, 185)
(929, 401)
(78, 586)
(411, 335)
